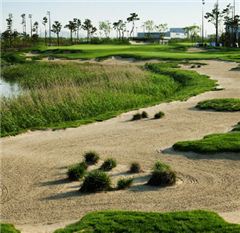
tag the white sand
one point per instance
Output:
(35, 194)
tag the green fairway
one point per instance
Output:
(161, 52)
(8, 228)
(68, 95)
(215, 143)
(143, 222)
(228, 105)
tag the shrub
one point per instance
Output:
(96, 181)
(135, 168)
(108, 164)
(159, 115)
(124, 183)
(144, 114)
(77, 171)
(162, 178)
(136, 117)
(162, 175)
(91, 157)
(161, 166)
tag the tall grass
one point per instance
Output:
(64, 95)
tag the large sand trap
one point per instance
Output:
(35, 193)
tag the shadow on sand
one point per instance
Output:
(198, 156)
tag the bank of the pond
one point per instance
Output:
(67, 95)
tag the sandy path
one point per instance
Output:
(36, 195)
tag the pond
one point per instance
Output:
(8, 89)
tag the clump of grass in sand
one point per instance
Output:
(135, 168)
(96, 181)
(91, 157)
(124, 183)
(159, 115)
(77, 171)
(162, 175)
(108, 164)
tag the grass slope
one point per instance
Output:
(162, 52)
(137, 222)
(215, 143)
(8, 228)
(68, 95)
(229, 105)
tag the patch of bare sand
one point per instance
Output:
(34, 164)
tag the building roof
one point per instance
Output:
(177, 30)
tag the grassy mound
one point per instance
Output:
(229, 105)
(162, 175)
(108, 164)
(8, 228)
(91, 157)
(68, 95)
(215, 143)
(141, 222)
(96, 181)
(124, 183)
(77, 171)
(135, 168)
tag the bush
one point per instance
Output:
(162, 175)
(144, 114)
(77, 171)
(136, 117)
(135, 168)
(96, 181)
(124, 183)
(162, 178)
(91, 157)
(159, 115)
(108, 164)
(161, 166)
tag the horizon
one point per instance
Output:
(96, 10)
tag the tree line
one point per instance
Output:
(228, 38)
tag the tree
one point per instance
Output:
(133, 17)
(116, 27)
(24, 23)
(7, 35)
(56, 28)
(44, 22)
(192, 31)
(162, 28)
(215, 17)
(87, 26)
(149, 25)
(35, 27)
(77, 26)
(231, 26)
(72, 27)
(105, 26)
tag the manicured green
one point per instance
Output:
(147, 222)
(8, 228)
(162, 52)
(68, 95)
(228, 105)
(215, 143)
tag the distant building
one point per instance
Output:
(173, 33)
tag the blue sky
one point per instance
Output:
(176, 13)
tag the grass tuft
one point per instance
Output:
(108, 164)
(124, 183)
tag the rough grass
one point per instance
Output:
(8, 228)
(162, 52)
(228, 105)
(215, 143)
(141, 222)
(61, 96)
